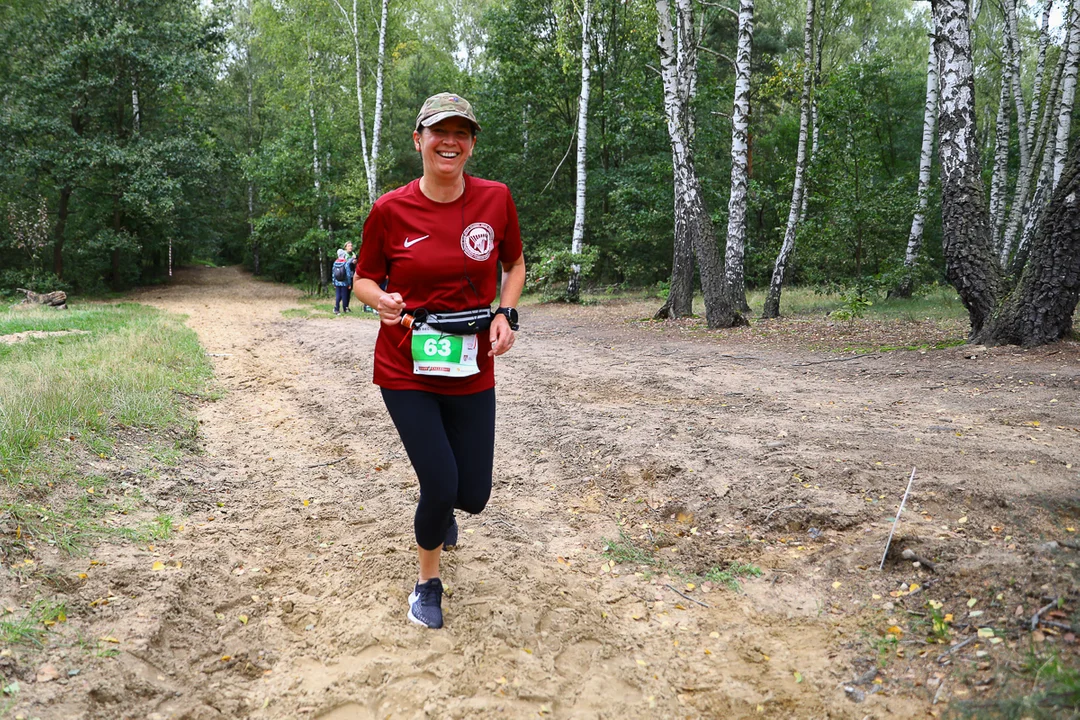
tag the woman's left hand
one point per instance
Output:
(502, 337)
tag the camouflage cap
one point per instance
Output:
(444, 105)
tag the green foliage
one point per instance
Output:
(551, 274)
(221, 165)
(854, 303)
(117, 186)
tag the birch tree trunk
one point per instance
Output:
(1040, 69)
(1046, 144)
(815, 118)
(1000, 178)
(970, 263)
(926, 156)
(1023, 181)
(1068, 90)
(740, 119)
(772, 299)
(376, 128)
(352, 22)
(136, 115)
(1040, 310)
(678, 63)
(573, 287)
(256, 260)
(681, 291)
(319, 256)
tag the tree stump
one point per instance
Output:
(56, 299)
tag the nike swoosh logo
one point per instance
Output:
(410, 243)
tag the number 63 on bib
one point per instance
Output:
(439, 353)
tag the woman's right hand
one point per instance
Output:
(390, 307)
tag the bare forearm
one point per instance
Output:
(513, 282)
(367, 291)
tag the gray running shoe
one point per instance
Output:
(451, 534)
(425, 604)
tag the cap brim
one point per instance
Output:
(439, 117)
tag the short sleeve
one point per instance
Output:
(510, 246)
(372, 263)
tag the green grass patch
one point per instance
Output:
(937, 303)
(731, 575)
(127, 370)
(625, 551)
(65, 397)
(31, 627)
(321, 307)
(1045, 688)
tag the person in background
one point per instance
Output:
(350, 270)
(437, 244)
(339, 273)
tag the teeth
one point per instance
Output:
(448, 155)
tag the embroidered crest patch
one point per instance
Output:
(478, 241)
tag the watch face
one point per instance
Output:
(512, 315)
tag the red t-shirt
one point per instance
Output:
(441, 257)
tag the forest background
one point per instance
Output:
(140, 135)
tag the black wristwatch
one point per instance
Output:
(511, 316)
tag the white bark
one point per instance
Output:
(1000, 177)
(740, 157)
(693, 227)
(1068, 91)
(1040, 69)
(1014, 60)
(815, 119)
(970, 263)
(926, 156)
(315, 163)
(136, 116)
(376, 128)
(250, 73)
(1044, 149)
(772, 300)
(578, 238)
(1023, 180)
(370, 159)
(680, 296)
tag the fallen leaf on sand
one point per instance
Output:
(158, 565)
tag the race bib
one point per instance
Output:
(439, 353)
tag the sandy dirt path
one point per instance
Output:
(297, 553)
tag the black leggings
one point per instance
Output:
(450, 440)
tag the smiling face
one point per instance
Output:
(445, 146)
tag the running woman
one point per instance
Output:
(430, 253)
